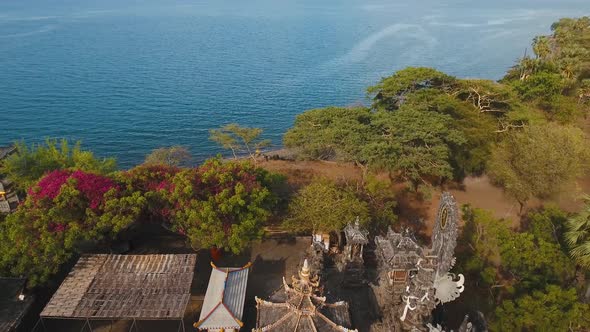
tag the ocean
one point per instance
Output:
(129, 76)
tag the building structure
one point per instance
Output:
(8, 198)
(300, 307)
(223, 306)
(124, 287)
(415, 278)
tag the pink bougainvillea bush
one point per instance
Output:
(61, 211)
(219, 204)
(154, 182)
(92, 187)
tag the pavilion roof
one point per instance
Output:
(397, 249)
(223, 306)
(298, 308)
(355, 235)
(124, 287)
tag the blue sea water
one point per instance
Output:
(128, 76)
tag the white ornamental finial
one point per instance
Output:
(305, 269)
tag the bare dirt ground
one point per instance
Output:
(476, 191)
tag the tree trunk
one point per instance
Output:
(587, 294)
(521, 209)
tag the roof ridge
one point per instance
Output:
(227, 269)
(197, 324)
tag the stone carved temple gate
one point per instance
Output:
(415, 278)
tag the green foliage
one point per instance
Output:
(413, 144)
(542, 85)
(534, 262)
(381, 201)
(554, 81)
(322, 206)
(330, 133)
(482, 236)
(525, 260)
(239, 139)
(547, 224)
(424, 126)
(48, 228)
(222, 204)
(578, 235)
(554, 309)
(539, 161)
(29, 164)
(171, 156)
(390, 93)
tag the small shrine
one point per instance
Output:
(356, 239)
(300, 307)
(416, 278)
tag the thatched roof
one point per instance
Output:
(125, 286)
(12, 309)
(224, 301)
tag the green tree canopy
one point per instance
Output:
(413, 144)
(554, 309)
(337, 133)
(29, 164)
(171, 156)
(322, 206)
(222, 204)
(539, 161)
(390, 93)
(578, 234)
(239, 139)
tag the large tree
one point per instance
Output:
(323, 206)
(171, 156)
(539, 161)
(240, 140)
(336, 133)
(391, 92)
(413, 144)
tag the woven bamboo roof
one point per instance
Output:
(224, 301)
(147, 287)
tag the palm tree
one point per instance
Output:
(578, 235)
(542, 47)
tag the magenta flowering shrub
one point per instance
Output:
(154, 182)
(93, 187)
(146, 178)
(49, 185)
(221, 204)
(63, 209)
